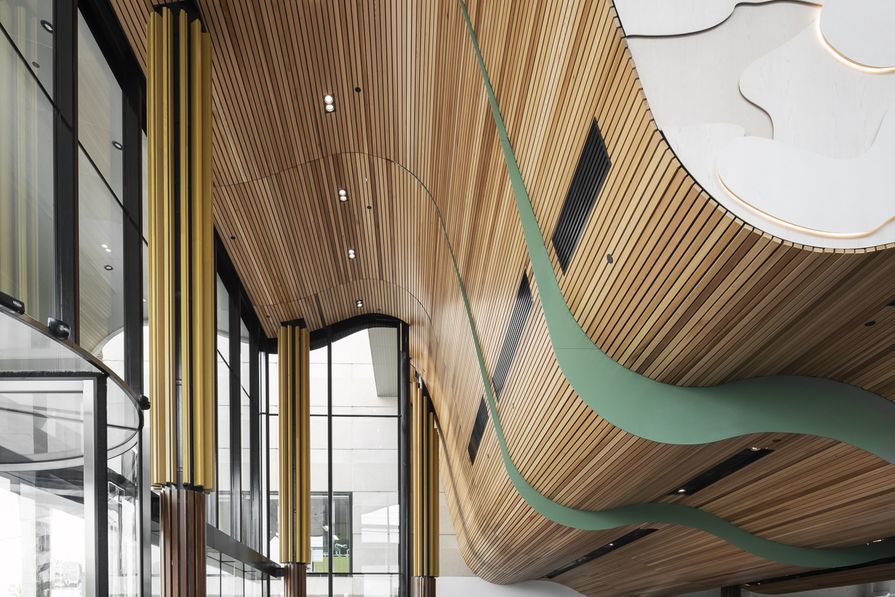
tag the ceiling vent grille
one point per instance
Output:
(518, 317)
(593, 167)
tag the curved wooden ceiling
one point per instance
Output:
(692, 296)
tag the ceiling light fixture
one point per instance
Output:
(359, 303)
(117, 145)
(755, 448)
(47, 25)
(329, 103)
(351, 254)
(343, 195)
(108, 268)
(682, 490)
(104, 245)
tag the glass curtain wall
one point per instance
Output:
(27, 238)
(355, 498)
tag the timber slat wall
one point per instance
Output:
(692, 295)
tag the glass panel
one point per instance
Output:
(100, 115)
(29, 23)
(27, 259)
(213, 573)
(365, 373)
(223, 440)
(365, 463)
(273, 383)
(377, 585)
(276, 586)
(144, 154)
(320, 487)
(101, 259)
(124, 547)
(318, 586)
(42, 538)
(273, 491)
(249, 533)
(244, 356)
(223, 321)
(319, 391)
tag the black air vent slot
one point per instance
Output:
(478, 429)
(602, 551)
(593, 167)
(518, 317)
(738, 461)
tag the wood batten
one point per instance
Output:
(424, 491)
(295, 580)
(293, 346)
(182, 538)
(424, 586)
(181, 251)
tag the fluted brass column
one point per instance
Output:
(293, 347)
(181, 291)
(424, 494)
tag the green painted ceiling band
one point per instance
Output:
(687, 415)
(674, 414)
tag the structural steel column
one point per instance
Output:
(181, 291)
(293, 347)
(424, 494)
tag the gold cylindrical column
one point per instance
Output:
(293, 346)
(424, 491)
(181, 291)
(181, 251)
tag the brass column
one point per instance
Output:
(424, 494)
(293, 347)
(181, 291)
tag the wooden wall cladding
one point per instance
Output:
(692, 295)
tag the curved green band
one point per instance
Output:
(674, 414)
(688, 415)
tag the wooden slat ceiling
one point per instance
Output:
(692, 296)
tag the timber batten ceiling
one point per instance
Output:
(692, 296)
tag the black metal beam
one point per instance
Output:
(65, 161)
(404, 456)
(96, 492)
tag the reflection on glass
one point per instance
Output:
(378, 585)
(101, 259)
(27, 260)
(100, 115)
(223, 320)
(223, 461)
(25, 21)
(365, 373)
(365, 463)
(42, 533)
(319, 391)
(124, 521)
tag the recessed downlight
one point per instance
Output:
(359, 303)
(328, 100)
(351, 254)
(48, 26)
(108, 268)
(755, 448)
(104, 245)
(682, 490)
(117, 145)
(330, 108)
(343, 195)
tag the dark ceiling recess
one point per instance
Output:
(602, 551)
(737, 462)
(590, 173)
(478, 429)
(521, 310)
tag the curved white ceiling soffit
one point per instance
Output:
(777, 111)
(854, 29)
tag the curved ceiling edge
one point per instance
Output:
(678, 514)
(686, 415)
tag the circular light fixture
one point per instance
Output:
(47, 25)
(35, 64)
(351, 254)
(357, 89)
(343, 195)
(870, 323)
(108, 268)
(330, 108)
(108, 250)
(682, 490)
(359, 303)
(755, 448)
(328, 100)
(104, 245)
(117, 145)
